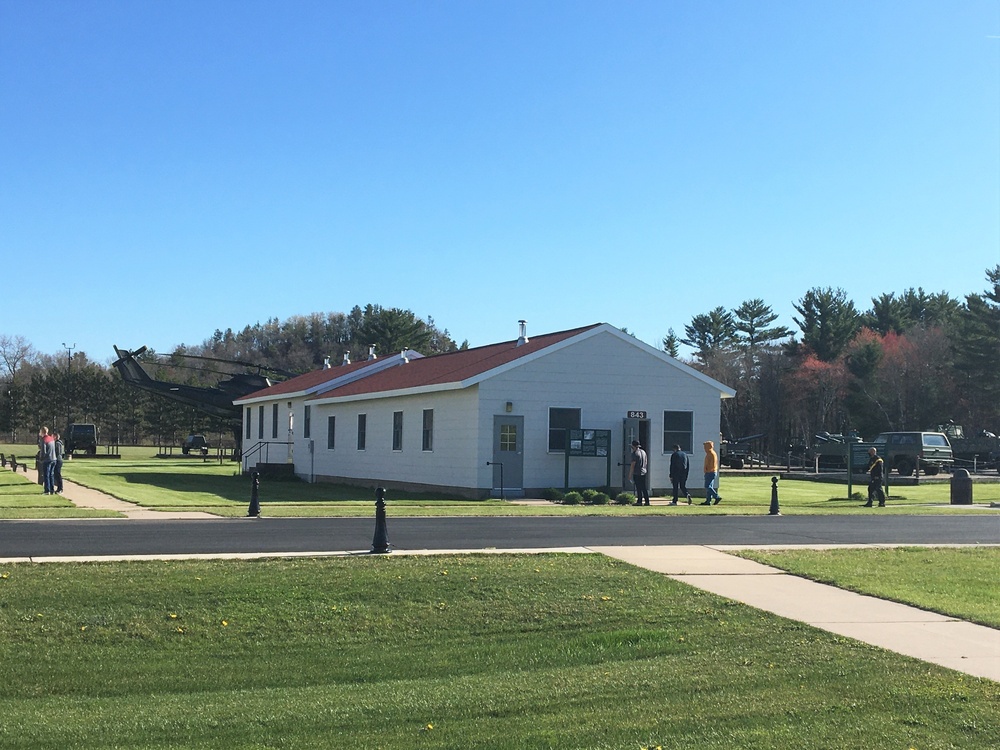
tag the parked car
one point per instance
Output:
(195, 443)
(81, 438)
(905, 451)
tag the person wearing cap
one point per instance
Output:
(637, 473)
(711, 473)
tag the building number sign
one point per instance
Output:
(636, 415)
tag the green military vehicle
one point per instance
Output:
(831, 449)
(81, 438)
(906, 451)
(977, 451)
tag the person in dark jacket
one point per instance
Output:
(57, 481)
(679, 468)
(876, 474)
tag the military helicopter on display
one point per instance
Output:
(217, 400)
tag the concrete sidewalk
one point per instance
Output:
(934, 638)
(84, 497)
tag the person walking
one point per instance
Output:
(711, 474)
(57, 481)
(637, 472)
(679, 469)
(876, 475)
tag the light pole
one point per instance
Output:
(69, 380)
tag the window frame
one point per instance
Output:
(672, 437)
(362, 431)
(427, 441)
(557, 435)
(331, 432)
(397, 431)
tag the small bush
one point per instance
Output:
(601, 498)
(552, 495)
(624, 498)
(572, 498)
(589, 495)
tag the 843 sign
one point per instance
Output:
(636, 415)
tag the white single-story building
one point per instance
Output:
(490, 421)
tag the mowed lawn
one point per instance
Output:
(213, 487)
(484, 651)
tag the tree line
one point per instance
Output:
(910, 361)
(56, 390)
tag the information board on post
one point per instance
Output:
(588, 444)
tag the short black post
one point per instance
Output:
(774, 498)
(380, 544)
(254, 510)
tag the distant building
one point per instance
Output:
(446, 423)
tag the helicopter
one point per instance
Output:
(216, 401)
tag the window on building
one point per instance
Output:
(260, 422)
(362, 430)
(274, 421)
(307, 422)
(428, 442)
(561, 420)
(508, 438)
(678, 429)
(397, 430)
(249, 417)
(331, 432)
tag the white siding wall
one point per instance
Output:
(604, 377)
(452, 461)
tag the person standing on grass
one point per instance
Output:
(637, 473)
(679, 469)
(876, 474)
(711, 473)
(57, 481)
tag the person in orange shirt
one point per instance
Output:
(711, 473)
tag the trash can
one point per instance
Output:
(961, 487)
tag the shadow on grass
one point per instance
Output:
(237, 489)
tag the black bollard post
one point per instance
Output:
(254, 510)
(380, 544)
(774, 498)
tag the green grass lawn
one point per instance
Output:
(485, 651)
(197, 485)
(963, 583)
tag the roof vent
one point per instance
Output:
(371, 353)
(326, 363)
(402, 356)
(347, 358)
(522, 332)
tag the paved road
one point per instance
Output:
(243, 535)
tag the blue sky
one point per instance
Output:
(169, 168)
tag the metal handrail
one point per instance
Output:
(262, 448)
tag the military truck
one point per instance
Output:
(905, 451)
(980, 450)
(81, 438)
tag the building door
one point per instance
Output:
(508, 456)
(634, 429)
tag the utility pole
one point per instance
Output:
(69, 381)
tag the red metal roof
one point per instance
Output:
(453, 367)
(439, 369)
